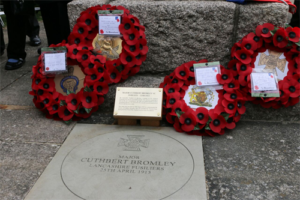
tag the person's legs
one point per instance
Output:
(2, 43)
(33, 26)
(16, 29)
(56, 25)
(295, 22)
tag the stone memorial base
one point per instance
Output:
(121, 162)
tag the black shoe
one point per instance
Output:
(39, 51)
(14, 65)
(35, 41)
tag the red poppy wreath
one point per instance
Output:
(269, 47)
(203, 112)
(132, 46)
(70, 96)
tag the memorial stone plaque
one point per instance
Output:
(117, 162)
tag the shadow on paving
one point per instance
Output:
(257, 160)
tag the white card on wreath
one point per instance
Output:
(55, 62)
(207, 76)
(263, 81)
(109, 25)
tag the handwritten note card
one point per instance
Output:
(263, 81)
(55, 62)
(207, 76)
(109, 25)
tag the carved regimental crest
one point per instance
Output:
(201, 97)
(272, 60)
(109, 47)
(69, 82)
(134, 142)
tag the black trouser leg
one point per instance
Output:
(56, 21)
(33, 26)
(295, 22)
(2, 43)
(16, 29)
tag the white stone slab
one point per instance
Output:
(121, 162)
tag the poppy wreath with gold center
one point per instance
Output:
(134, 43)
(73, 106)
(199, 120)
(280, 44)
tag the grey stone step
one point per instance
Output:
(180, 31)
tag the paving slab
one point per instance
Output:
(32, 126)
(21, 164)
(148, 162)
(257, 160)
(257, 112)
(17, 93)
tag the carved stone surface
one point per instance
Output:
(253, 14)
(117, 162)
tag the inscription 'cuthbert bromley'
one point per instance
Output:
(127, 162)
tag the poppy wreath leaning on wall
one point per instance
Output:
(134, 43)
(72, 96)
(269, 47)
(204, 112)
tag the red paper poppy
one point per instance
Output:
(230, 107)
(225, 77)
(75, 38)
(127, 59)
(217, 122)
(243, 55)
(143, 46)
(264, 30)
(293, 34)
(172, 99)
(279, 38)
(244, 69)
(202, 115)
(258, 40)
(101, 88)
(292, 88)
(232, 86)
(64, 113)
(81, 28)
(179, 106)
(132, 38)
(72, 51)
(140, 59)
(72, 101)
(234, 96)
(241, 107)
(83, 56)
(47, 85)
(133, 50)
(88, 19)
(230, 124)
(171, 88)
(46, 99)
(126, 27)
(188, 120)
(182, 72)
(249, 44)
(53, 108)
(88, 99)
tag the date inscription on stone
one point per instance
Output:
(127, 165)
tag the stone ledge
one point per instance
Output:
(253, 14)
(181, 31)
(253, 112)
(75, 7)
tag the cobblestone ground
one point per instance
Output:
(260, 159)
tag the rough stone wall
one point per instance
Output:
(180, 31)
